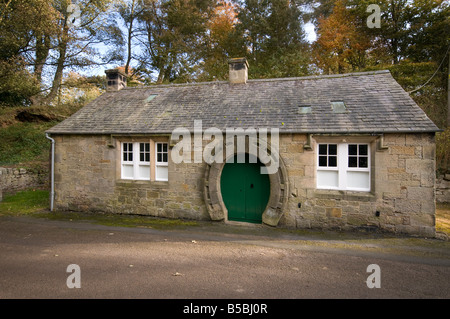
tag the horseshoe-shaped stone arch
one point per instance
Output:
(279, 191)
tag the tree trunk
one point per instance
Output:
(42, 50)
(160, 76)
(130, 36)
(127, 65)
(448, 91)
(57, 79)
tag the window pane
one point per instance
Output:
(159, 157)
(141, 157)
(130, 147)
(327, 179)
(332, 161)
(323, 149)
(323, 161)
(141, 147)
(159, 147)
(162, 173)
(125, 156)
(353, 149)
(165, 157)
(144, 171)
(127, 171)
(147, 157)
(165, 147)
(362, 149)
(363, 161)
(359, 180)
(332, 149)
(352, 161)
(125, 147)
(130, 157)
(147, 147)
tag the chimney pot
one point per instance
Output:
(116, 80)
(238, 70)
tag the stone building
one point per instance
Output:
(331, 152)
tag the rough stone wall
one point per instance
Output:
(180, 197)
(84, 173)
(443, 189)
(402, 198)
(87, 178)
(16, 179)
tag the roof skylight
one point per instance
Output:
(151, 97)
(338, 107)
(304, 109)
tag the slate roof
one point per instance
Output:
(375, 103)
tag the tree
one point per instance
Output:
(21, 22)
(173, 32)
(341, 44)
(129, 11)
(74, 45)
(38, 33)
(76, 88)
(17, 85)
(273, 34)
(221, 42)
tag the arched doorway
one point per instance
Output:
(279, 190)
(245, 191)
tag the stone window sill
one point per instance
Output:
(344, 195)
(141, 182)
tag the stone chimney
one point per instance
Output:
(116, 80)
(238, 70)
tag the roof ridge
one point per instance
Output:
(322, 76)
(308, 77)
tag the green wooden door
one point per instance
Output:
(245, 191)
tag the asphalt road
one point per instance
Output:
(194, 263)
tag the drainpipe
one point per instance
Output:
(52, 192)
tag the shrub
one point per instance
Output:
(443, 151)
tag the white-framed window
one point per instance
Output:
(135, 160)
(343, 166)
(161, 161)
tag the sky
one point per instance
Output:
(310, 33)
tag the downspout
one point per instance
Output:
(52, 192)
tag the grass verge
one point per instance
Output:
(35, 203)
(443, 218)
(24, 202)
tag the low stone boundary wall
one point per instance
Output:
(443, 189)
(16, 179)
